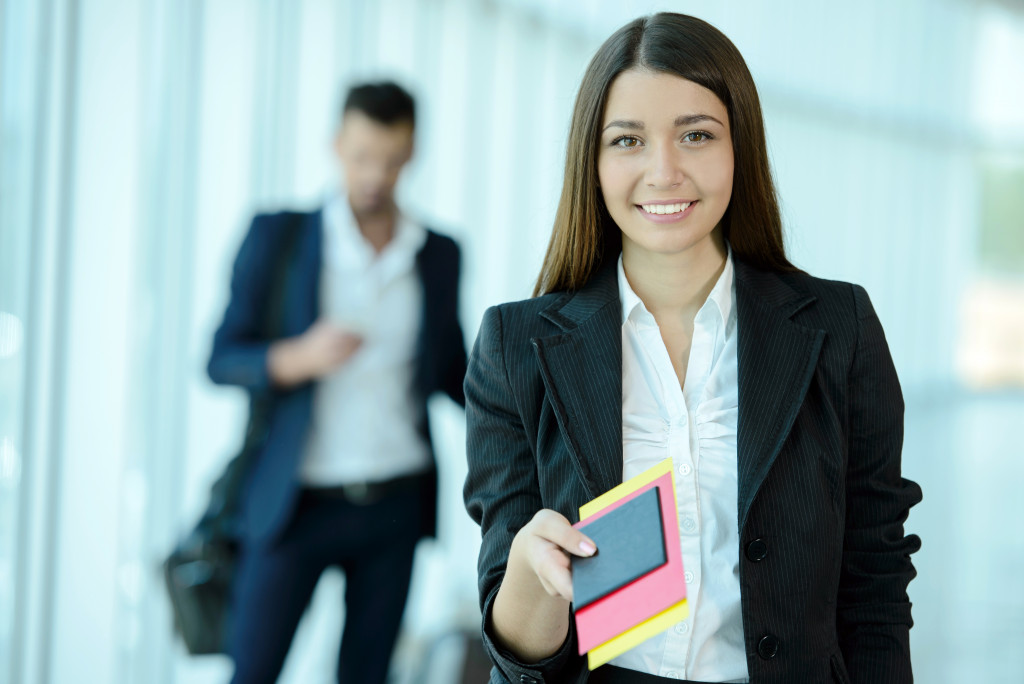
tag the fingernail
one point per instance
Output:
(587, 548)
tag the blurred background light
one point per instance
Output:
(10, 464)
(11, 334)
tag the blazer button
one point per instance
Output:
(757, 550)
(768, 646)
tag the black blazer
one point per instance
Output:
(824, 563)
(239, 355)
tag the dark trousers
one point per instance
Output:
(373, 543)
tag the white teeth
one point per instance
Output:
(665, 208)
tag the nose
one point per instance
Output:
(666, 167)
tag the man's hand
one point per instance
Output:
(319, 351)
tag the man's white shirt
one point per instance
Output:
(364, 414)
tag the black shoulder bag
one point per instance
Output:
(200, 571)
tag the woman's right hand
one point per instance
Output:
(544, 545)
(531, 611)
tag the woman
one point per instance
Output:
(669, 323)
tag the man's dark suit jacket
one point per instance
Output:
(239, 354)
(824, 563)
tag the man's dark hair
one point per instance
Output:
(384, 102)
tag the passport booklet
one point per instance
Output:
(633, 587)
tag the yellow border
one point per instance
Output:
(616, 646)
(613, 648)
(628, 487)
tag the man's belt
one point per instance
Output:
(365, 493)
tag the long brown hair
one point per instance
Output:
(584, 235)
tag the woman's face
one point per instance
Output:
(665, 161)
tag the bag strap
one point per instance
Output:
(273, 320)
(272, 325)
(220, 522)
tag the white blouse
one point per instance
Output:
(696, 426)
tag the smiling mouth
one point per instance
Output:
(665, 209)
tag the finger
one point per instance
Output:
(554, 527)
(347, 341)
(346, 345)
(555, 574)
(558, 585)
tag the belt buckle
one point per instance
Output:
(358, 493)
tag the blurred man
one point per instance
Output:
(345, 473)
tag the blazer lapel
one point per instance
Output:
(776, 359)
(582, 373)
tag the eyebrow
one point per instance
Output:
(681, 120)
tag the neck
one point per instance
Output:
(675, 285)
(377, 227)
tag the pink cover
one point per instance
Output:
(644, 597)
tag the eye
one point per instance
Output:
(697, 137)
(626, 141)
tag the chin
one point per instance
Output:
(672, 244)
(370, 206)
